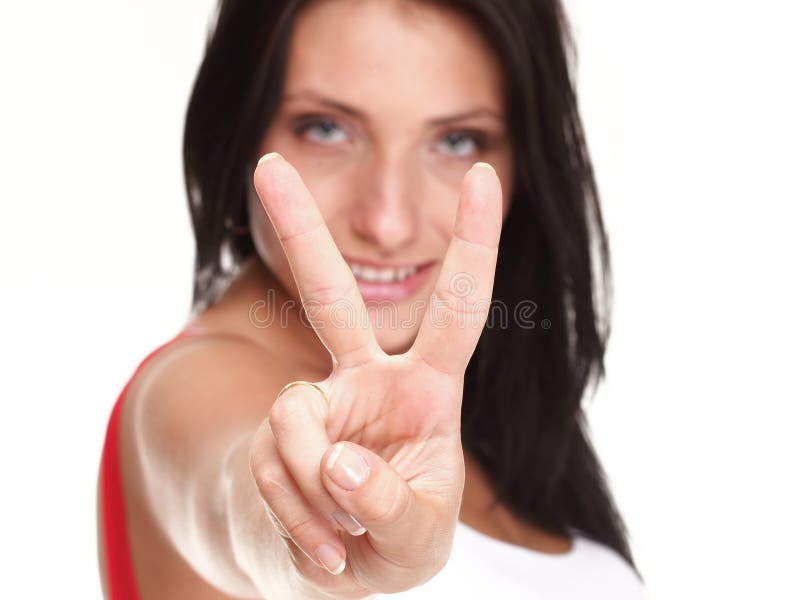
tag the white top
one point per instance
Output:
(482, 567)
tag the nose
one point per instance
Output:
(386, 213)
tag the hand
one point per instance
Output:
(392, 426)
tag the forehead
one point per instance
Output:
(404, 49)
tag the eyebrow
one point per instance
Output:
(354, 112)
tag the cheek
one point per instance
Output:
(267, 245)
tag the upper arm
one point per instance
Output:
(194, 397)
(183, 414)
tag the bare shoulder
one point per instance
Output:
(192, 376)
(216, 386)
(205, 385)
(199, 363)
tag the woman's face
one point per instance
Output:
(386, 105)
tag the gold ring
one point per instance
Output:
(291, 384)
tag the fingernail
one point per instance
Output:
(330, 559)
(484, 165)
(266, 157)
(346, 468)
(349, 522)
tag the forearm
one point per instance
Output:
(191, 492)
(216, 519)
(258, 550)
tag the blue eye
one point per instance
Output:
(463, 143)
(324, 131)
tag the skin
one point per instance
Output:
(387, 183)
(387, 186)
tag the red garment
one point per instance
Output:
(120, 579)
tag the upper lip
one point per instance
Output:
(384, 265)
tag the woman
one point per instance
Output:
(442, 448)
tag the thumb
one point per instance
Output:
(367, 487)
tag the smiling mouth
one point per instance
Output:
(377, 281)
(371, 274)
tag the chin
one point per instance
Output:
(395, 325)
(395, 341)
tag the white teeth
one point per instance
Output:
(387, 275)
(383, 275)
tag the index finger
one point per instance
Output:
(461, 299)
(324, 280)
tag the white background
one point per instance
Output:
(690, 108)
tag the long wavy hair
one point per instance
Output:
(522, 412)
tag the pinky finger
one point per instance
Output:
(296, 520)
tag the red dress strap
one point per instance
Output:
(120, 578)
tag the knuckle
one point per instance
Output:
(283, 412)
(269, 479)
(387, 504)
(325, 295)
(459, 305)
(301, 529)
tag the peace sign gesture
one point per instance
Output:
(375, 452)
